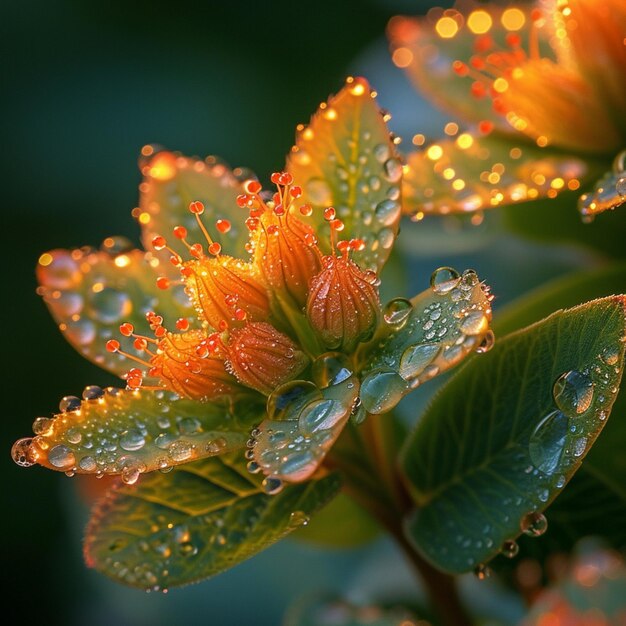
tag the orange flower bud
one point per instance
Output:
(187, 366)
(263, 358)
(283, 255)
(343, 304)
(225, 289)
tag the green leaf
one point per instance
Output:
(608, 193)
(304, 420)
(345, 158)
(424, 337)
(197, 521)
(132, 432)
(506, 433)
(598, 486)
(328, 610)
(472, 173)
(171, 182)
(90, 293)
(341, 524)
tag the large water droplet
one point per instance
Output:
(272, 485)
(382, 390)
(610, 355)
(92, 392)
(397, 312)
(392, 169)
(87, 464)
(547, 442)
(534, 524)
(22, 452)
(43, 426)
(288, 399)
(180, 450)
(387, 212)
(81, 331)
(61, 273)
(320, 415)
(331, 368)
(416, 358)
(61, 456)
(130, 474)
(573, 392)
(474, 323)
(110, 305)
(444, 279)
(319, 192)
(132, 440)
(487, 343)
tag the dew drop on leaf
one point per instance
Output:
(444, 279)
(69, 403)
(382, 390)
(547, 442)
(510, 549)
(132, 440)
(298, 518)
(22, 452)
(61, 456)
(534, 524)
(415, 359)
(272, 486)
(330, 368)
(397, 312)
(573, 392)
(482, 571)
(92, 392)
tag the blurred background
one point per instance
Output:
(85, 85)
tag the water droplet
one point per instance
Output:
(482, 571)
(474, 323)
(132, 440)
(382, 390)
(573, 392)
(620, 186)
(444, 279)
(43, 426)
(69, 403)
(610, 355)
(387, 212)
(73, 435)
(487, 343)
(298, 518)
(253, 467)
(130, 474)
(110, 305)
(415, 359)
(180, 450)
(547, 442)
(81, 332)
(382, 152)
(510, 549)
(320, 415)
(397, 312)
(189, 426)
(272, 485)
(187, 549)
(392, 169)
(61, 456)
(87, 464)
(92, 392)
(331, 368)
(534, 524)
(288, 399)
(319, 192)
(22, 452)
(580, 446)
(216, 446)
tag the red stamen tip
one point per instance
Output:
(180, 232)
(215, 248)
(196, 250)
(329, 213)
(163, 282)
(182, 324)
(223, 226)
(158, 242)
(196, 207)
(306, 210)
(127, 329)
(112, 345)
(253, 186)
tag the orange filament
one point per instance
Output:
(263, 358)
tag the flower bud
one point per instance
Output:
(225, 289)
(263, 358)
(186, 365)
(283, 255)
(343, 304)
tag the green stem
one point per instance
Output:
(375, 484)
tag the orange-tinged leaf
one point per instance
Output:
(608, 193)
(171, 182)
(345, 158)
(90, 293)
(133, 432)
(472, 173)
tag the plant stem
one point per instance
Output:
(377, 487)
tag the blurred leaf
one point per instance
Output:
(332, 611)
(132, 432)
(345, 158)
(428, 60)
(472, 173)
(341, 524)
(90, 293)
(424, 337)
(303, 423)
(197, 521)
(171, 182)
(502, 437)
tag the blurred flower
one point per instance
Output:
(543, 89)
